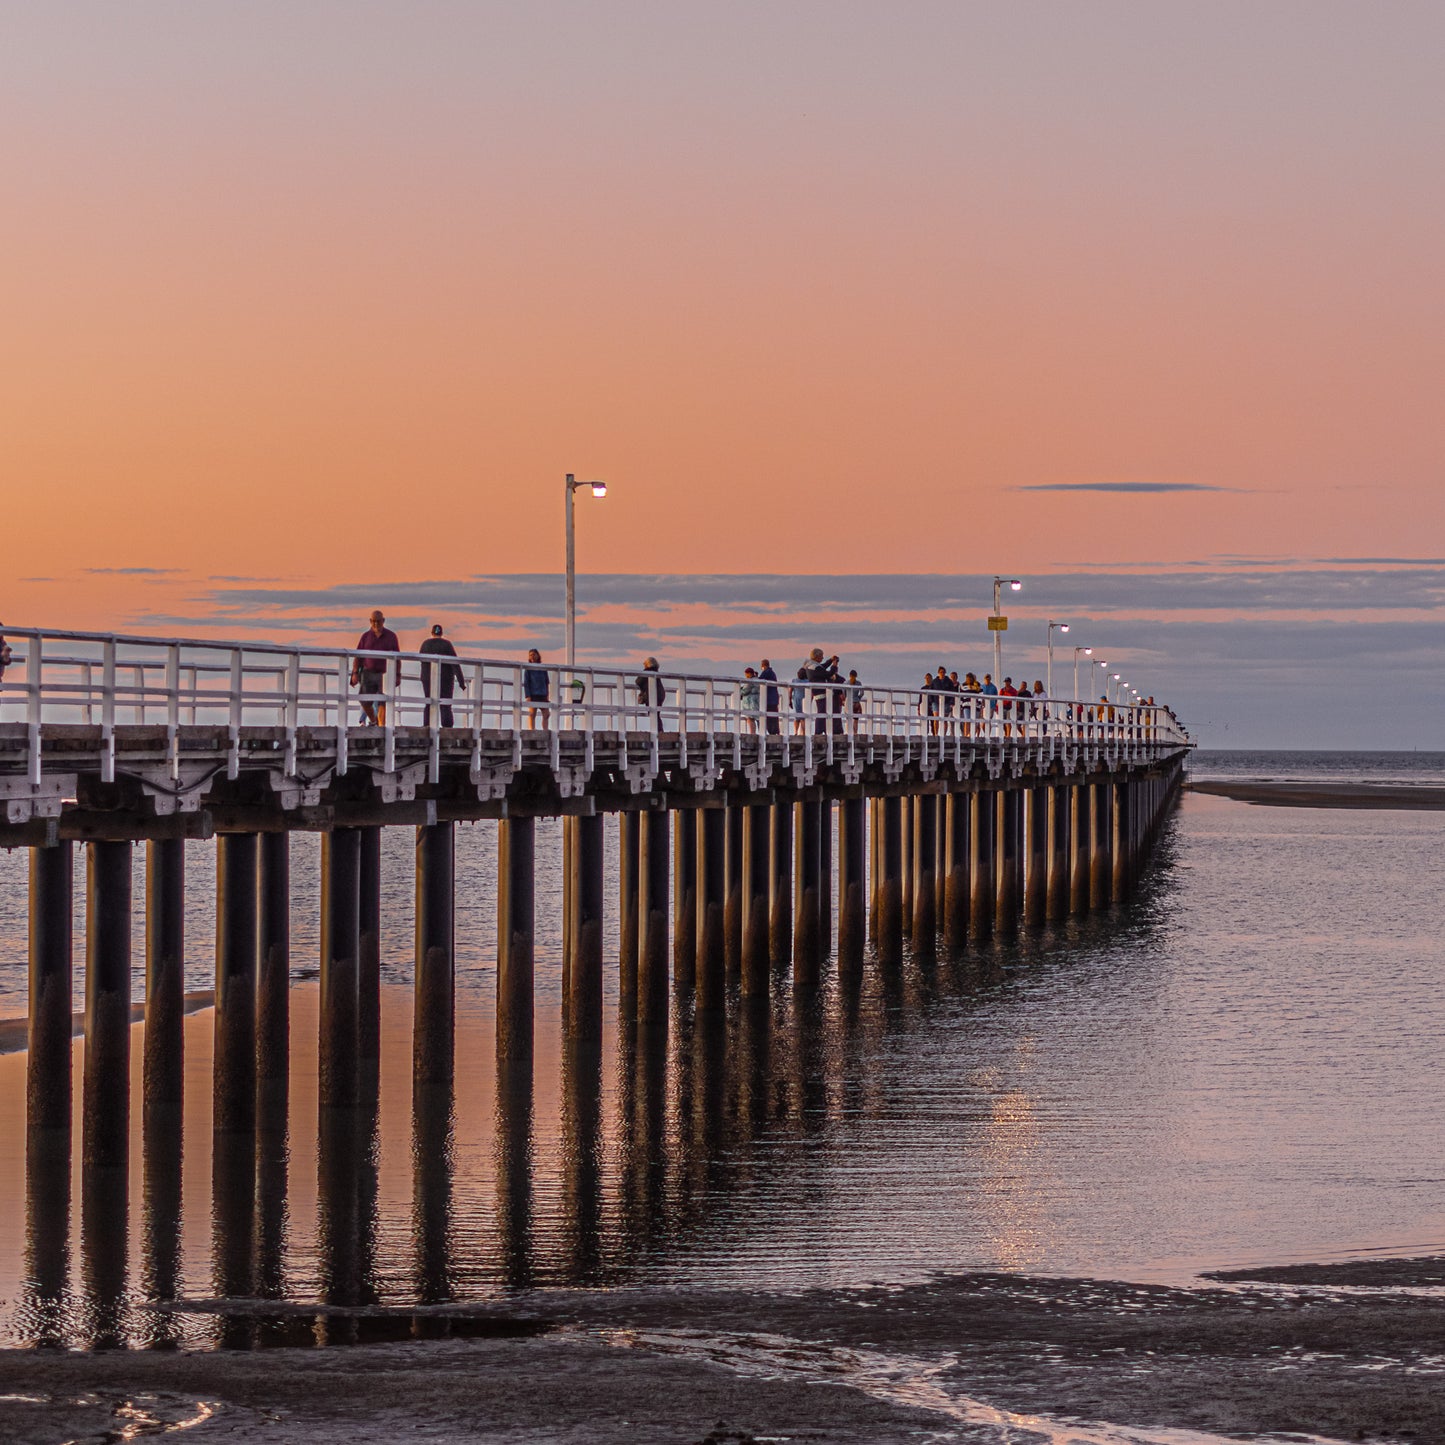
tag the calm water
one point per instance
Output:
(1240, 1066)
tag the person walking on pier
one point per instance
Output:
(819, 671)
(969, 706)
(536, 688)
(369, 673)
(650, 693)
(449, 675)
(991, 693)
(770, 696)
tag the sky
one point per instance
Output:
(853, 306)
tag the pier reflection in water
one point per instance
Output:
(597, 1159)
(1168, 1087)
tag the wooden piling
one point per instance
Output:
(106, 1085)
(955, 875)
(684, 902)
(852, 882)
(890, 882)
(629, 873)
(47, 1068)
(807, 937)
(515, 923)
(652, 914)
(273, 992)
(584, 1012)
(711, 902)
(757, 885)
(368, 947)
(982, 812)
(433, 1044)
(233, 1068)
(925, 854)
(1056, 848)
(340, 926)
(733, 888)
(163, 1046)
(780, 894)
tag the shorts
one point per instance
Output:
(372, 681)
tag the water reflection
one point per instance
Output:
(1004, 1106)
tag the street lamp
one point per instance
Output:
(1114, 676)
(598, 489)
(999, 583)
(1049, 675)
(1088, 652)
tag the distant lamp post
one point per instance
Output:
(1087, 652)
(598, 489)
(997, 623)
(1049, 675)
(1114, 677)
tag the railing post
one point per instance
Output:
(34, 679)
(233, 751)
(107, 711)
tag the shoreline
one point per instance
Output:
(1396, 796)
(1068, 1359)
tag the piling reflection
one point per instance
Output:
(47, 1235)
(161, 1222)
(345, 1213)
(104, 1220)
(233, 1224)
(582, 1158)
(432, 1166)
(513, 1164)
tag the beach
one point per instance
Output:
(984, 1356)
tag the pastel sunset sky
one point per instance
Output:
(311, 305)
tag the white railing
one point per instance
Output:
(113, 680)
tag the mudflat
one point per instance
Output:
(971, 1354)
(1325, 795)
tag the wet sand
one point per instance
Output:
(969, 1355)
(15, 1033)
(1326, 795)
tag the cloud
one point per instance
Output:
(1132, 487)
(133, 571)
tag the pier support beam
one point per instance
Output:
(586, 894)
(233, 1070)
(106, 1107)
(1035, 856)
(1121, 841)
(733, 888)
(1056, 847)
(982, 810)
(368, 948)
(711, 903)
(1006, 859)
(890, 881)
(1080, 846)
(825, 876)
(780, 929)
(47, 1067)
(629, 869)
(955, 869)
(757, 850)
(273, 992)
(515, 921)
(852, 882)
(1099, 863)
(340, 926)
(925, 854)
(163, 1062)
(906, 863)
(684, 903)
(433, 1036)
(652, 913)
(807, 938)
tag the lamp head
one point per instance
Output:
(1015, 585)
(1063, 627)
(1088, 652)
(599, 489)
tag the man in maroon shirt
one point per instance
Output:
(369, 673)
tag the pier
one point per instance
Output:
(752, 848)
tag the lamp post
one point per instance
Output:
(1088, 652)
(598, 489)
(1049, 675)
(1114, 678)
(999, 583)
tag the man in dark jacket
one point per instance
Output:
(450, 676)
(770, 696)
(650, 692)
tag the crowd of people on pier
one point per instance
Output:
(819, 697)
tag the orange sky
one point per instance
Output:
(341, 297)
